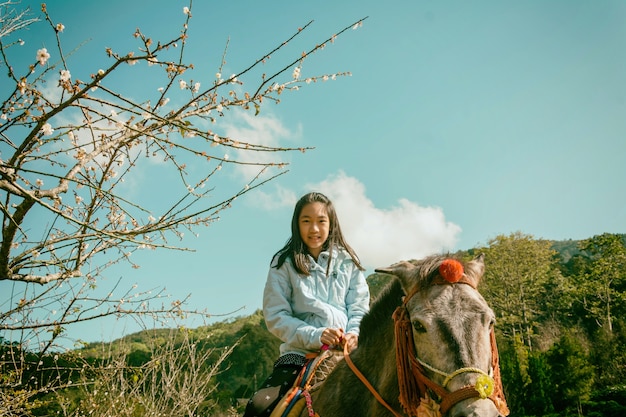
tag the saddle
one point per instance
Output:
(311, 377)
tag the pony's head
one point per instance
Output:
(445, 343)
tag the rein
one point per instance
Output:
(359, 374)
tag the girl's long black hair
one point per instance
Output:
(297, 251)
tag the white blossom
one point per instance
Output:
(65, 75)
(43, 56)
(47, 129)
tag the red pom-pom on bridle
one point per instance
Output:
(451, 270)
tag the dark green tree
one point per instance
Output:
(602, 285)
(523, 284)
(512, 370)
(538, 391)
(609, 355)
(572, 373)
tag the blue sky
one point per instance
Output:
(461, 121)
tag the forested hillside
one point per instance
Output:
(561, 330)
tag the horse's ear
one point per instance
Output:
(397, 269)
(404, 270)
(475, 268)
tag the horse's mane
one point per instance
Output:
(427, 268)
(390, 297)
(381, 311)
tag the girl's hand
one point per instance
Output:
(331, 337)
(351, 341)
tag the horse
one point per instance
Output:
(426, 349)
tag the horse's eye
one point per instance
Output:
(419, 327)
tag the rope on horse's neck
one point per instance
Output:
(359, 374)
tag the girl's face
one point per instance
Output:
(314, 227)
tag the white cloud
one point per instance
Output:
(281, 198)
(381, 237)
(261, 131)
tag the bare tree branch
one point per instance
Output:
(69, 145)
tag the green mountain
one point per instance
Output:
(574, 326)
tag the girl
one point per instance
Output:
(315, 295)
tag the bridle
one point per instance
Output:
(413, 383)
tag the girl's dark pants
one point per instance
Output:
(272, 390)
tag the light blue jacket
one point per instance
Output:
(298, 308)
